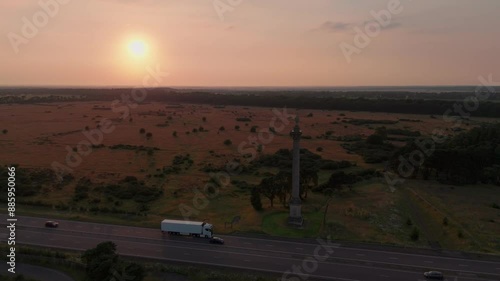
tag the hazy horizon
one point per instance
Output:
(256, 43)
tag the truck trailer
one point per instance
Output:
(192, 228)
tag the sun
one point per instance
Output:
(138, 48)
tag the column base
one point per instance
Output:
(295, 218)
(296, 221)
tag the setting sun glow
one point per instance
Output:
(138, 48)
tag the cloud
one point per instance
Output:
(329, 26)
(392, 25)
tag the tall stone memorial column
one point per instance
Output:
(295, 217)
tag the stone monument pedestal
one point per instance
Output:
(295, 218)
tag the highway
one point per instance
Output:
(312, 261)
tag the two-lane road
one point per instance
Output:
(277, 256)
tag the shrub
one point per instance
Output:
(319, 149)
(222, 128)
(243, 119)
(174, 134)
(445, 221)
(149, 135)
(81, 192)
(415, 234)
(253, 129)
(255, 199)
(236, 127)
(228, 142)
(409, 222)
(142, 131)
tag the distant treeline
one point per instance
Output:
(468, 158)
(375, 102)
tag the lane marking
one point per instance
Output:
(182, 243)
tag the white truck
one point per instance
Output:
(193, 228)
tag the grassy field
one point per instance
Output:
(39, 134)
(72, 265)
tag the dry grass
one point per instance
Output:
(38, 134)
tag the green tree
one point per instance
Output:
(308, 180)
(103, 263)
(270, 188)
(100, 261)
(255, 199)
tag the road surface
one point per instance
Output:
(315, 261)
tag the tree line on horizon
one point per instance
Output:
(391, 102)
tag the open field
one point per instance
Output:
(38, 134)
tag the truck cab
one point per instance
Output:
(207, 230)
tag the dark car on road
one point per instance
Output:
(51, 224)
(434, 275)
(216, 240)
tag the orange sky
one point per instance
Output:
(253, 43)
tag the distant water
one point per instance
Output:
(413, 89)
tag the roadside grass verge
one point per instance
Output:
(69, 262)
